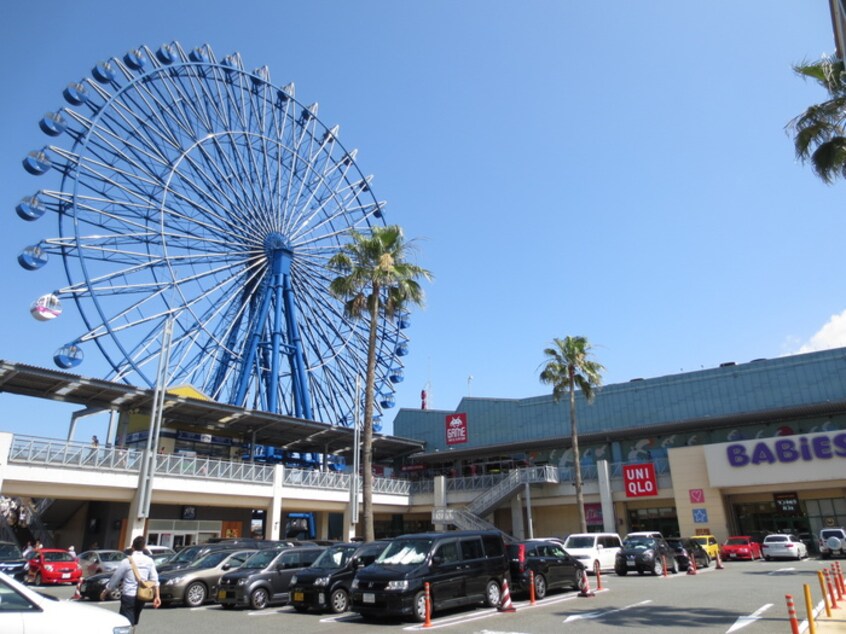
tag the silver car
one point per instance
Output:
(783, 546)
(192, 586)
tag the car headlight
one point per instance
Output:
(293, 581)
(397, 585)
(173, 581)
(647, 554)
(321, 581)
(242, 581)
(48, 567)
(354, 584)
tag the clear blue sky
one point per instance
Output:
(618, 170)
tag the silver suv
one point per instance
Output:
(832, 542)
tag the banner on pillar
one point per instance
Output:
(593, 514)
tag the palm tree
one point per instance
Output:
(568, 365)
(376, 282)
(819, 133)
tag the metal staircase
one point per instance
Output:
(471, 517)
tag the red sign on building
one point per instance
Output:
(456, 428)
(639, 480)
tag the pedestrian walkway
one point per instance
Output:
(831, 625)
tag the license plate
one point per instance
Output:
(65, 575)
(221, 595)
(298, 596)
(368, 597)
(733, 555)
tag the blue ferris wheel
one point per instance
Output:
(195, 192)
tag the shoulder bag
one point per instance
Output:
(145, 592)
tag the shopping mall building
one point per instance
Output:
(738, 449)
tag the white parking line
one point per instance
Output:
(743, 621)
(601, 613)
(476, 616)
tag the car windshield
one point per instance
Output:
(737, 541)
(10, 551)
(58, 556)
(700, 540)
(186, 555)
(579, 542)
(260, 559)
(335, 557)
(639, 543)
(211, 560)
(776, 538)
(115, 555)
(405, 552)
(676, 543)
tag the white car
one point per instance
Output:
(23, 611)
(594, 550)
(788, 546)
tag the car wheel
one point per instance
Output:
(259, 598)
(420, 607)
(37, 580)
(493, 594)
(620, 572)
(578, 581)
(675, 569)
(707, 561)
(339, 601)
(540, 586)
(657, 568)
(195, 594)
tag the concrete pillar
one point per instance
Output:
(517, 525)
(440, 498)
(609, 522)
(273, 513)
(349, 527)
(135, 525)
(321, 519)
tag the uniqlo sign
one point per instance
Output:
(639, 480)
(456, 428)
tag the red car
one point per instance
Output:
(740, 547)
(53, 565)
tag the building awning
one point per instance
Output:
(198, 415)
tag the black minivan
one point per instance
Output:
(462, 568)
(326, 582)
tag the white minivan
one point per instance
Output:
(595, 550)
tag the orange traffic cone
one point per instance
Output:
(691, 566)
(77, 595)
(584, 586)
(505, 604)
(719, 565)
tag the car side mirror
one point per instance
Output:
(600, 547)
(226, 566)
(437, 560)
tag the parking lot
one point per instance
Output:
(745, 596)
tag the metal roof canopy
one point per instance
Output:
(198, 415)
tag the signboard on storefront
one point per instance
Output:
(777, 460)
(787, 503)
(639, 480)
(593, 513)
(456, 428)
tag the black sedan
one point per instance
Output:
(552, 566)
(645, 554)
(91, 587)
(687, 548)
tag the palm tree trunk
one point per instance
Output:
(577, 463)
(367, 440)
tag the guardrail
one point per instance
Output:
(312, 479)
(208, 468)
(63, 453)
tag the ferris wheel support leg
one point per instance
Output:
(301, 392)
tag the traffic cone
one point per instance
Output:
(584, 586)
(77, 595)
(691, 566)
(505, 604)
(719, 565)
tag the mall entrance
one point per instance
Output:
(663, 519)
